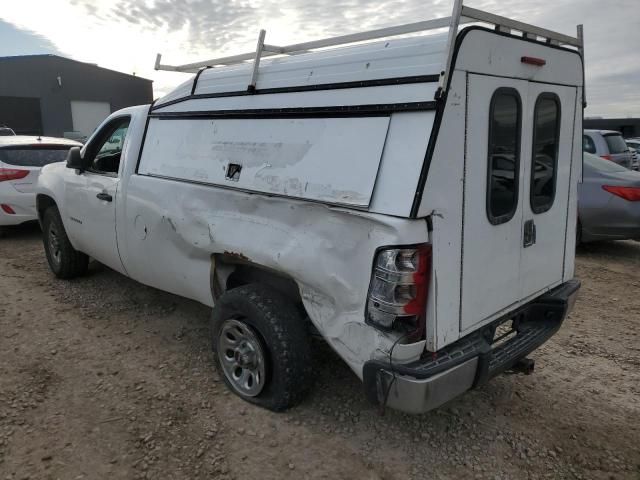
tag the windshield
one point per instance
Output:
(601, 164)
(616, 143)
(34, 156)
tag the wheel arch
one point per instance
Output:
(43, 201)
(232, 270)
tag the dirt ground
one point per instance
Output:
(103, 378)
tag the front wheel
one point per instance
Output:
(64, 260)
(261, 347)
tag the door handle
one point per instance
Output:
(104, 196)
(529, 233)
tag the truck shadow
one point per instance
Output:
(616, 249)
(25, 231)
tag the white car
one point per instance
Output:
(21, 158)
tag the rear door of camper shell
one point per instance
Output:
(519, 179)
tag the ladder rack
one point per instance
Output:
(461, 15)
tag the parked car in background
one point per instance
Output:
(635, 164)
(6, 131)
(634, 146)
(633, 143)
(21, 158)
(608, 201)
(609, 145)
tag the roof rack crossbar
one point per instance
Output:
(525, 28)
(461, 14)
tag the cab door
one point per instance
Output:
(546, 186)
(90, 200)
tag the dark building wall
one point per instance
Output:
(37, 77)
(629, 127)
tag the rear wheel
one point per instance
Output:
(261, 347)
(64, 260)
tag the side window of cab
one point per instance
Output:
(104, 152)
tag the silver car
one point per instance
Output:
(609, 145)
(608, 201)
(634, 146)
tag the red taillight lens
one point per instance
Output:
(399, 289)
(607, 157)
(7, 209)
(12, 174)
(631, 194)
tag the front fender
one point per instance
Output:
(50, 190)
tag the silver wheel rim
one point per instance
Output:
(242, 357)
(54, 245)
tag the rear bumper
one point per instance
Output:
(471, 361)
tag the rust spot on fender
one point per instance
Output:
(237, 256)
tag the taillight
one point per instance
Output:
(12, 174)
(628, 193)
(607, 157)
(7, 209)
(399, 290)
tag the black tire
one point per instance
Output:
(64, 260)
(282, 333)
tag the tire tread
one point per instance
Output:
(282, 328)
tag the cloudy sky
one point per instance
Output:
(125, 35)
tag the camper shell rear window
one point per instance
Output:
(544, 165)
(505, 123)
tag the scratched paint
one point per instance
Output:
(331, 160)
(327, 251)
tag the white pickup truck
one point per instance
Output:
(413, 200)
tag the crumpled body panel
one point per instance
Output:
(169, 231)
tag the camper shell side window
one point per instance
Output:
(546, 139)
(505, 125)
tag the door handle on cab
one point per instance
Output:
(104, 196)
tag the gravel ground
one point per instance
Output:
(102, 377)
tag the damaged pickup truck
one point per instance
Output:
(412, 200)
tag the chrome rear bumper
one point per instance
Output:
(472, 361)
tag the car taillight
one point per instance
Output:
(607, 157)
(399, 290)
(628, 193)
(12, 174)
(7, 209)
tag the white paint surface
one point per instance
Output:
(334, 160)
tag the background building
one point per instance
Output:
(56, 96)
(629, 127)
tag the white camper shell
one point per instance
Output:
(413, 196)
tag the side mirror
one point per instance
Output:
(74, 159)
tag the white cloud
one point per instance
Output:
(126, 34)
